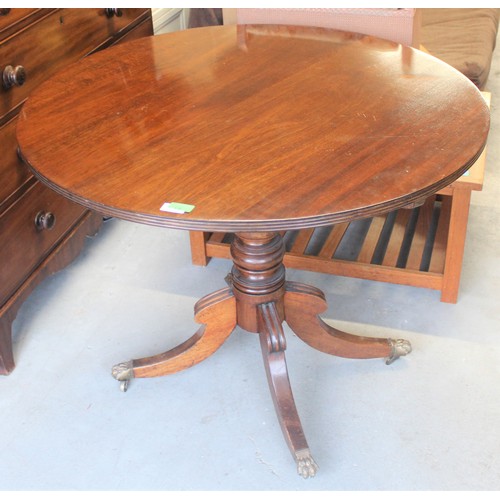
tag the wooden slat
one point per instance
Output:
(333, 240)
(396, 239)
(420, 234)
(217, 237)
(301, 241)
(352, 269)
(439, 248)
(371, 240)
(218, 250)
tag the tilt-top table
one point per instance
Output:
(254, 130)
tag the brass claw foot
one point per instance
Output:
(123, 372)
(400, 347)
(306, 466)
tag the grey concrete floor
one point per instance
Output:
(426, 422)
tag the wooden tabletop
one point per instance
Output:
(258, 127)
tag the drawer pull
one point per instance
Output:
(45, 220)
(113, 12)
(13, 76)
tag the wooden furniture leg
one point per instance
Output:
(258, 300)
(457, 231)
(303, 303)
(197, 241)
(6, 355)
(273, 344)
(216, 312)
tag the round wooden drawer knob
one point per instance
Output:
(45, 220)
(13, 76)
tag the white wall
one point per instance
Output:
(168, 20)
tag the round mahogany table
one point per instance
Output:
(254, 130)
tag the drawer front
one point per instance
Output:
(23, 245)
(53, 42)
(14, 174)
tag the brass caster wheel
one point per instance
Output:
(123, 372)
(400, 347)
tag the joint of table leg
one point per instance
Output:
(247, 305)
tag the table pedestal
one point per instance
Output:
(258, 300)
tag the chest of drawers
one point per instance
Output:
(40, 231)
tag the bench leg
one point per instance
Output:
(197, 241)
(459, 214)
(6, 355)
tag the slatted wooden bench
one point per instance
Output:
(422, 246)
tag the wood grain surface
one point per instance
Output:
(261, 128)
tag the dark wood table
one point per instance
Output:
(255, 130)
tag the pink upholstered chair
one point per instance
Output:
(396, 25)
